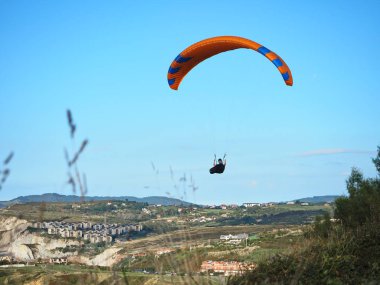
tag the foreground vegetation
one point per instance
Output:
(345, 250)
(79, 275)
(284, 242)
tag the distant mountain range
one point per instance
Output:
(319, 199)
(54, 197)
(151, 200)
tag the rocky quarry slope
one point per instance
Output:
(16, 240)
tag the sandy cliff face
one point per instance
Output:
(25, 246)
(28, 246)
(10, 229)
(106, 258)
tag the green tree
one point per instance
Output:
(362, 206)
(354, 182)
(339, 253)
(376, 160)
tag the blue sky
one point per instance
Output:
(107, 61)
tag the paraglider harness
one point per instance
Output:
(218, 168)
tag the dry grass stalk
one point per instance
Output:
(5, 171)
(75, 178)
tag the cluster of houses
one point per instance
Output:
(222, 206)
(256, 204)
(270, 204)
(88, 231)
(203, 219)
(225, 267)
(234, 239)
(250, 205)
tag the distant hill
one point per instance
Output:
(54, 197)
(151, 200)
(319, 199)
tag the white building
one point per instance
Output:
(237, 238)
(249, 205)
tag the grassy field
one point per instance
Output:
(271, 230)
(194, 245)
(123, 212)
(80, 275)
(194, 235)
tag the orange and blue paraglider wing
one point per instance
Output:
(202, 50)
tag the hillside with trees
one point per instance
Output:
(343, 250)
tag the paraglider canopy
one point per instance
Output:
(202, 50)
